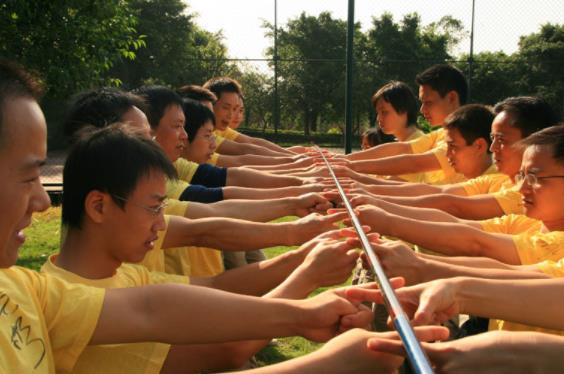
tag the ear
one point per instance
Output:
(95, 205)
(453, 98)
(481, 144)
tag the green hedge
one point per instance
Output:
(289, 137)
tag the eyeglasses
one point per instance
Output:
(532, 179)
(153, 211)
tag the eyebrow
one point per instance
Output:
(159, 197)
(534, 170)
(35, 163)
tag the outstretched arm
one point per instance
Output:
(381, 151)
(454, 239)
(396, 165)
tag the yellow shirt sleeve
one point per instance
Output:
(510, 201)
(485, 184)
(185, 169)
(213, 159)
(511, 224)
(537, 247)
(176, 207)
(553, 268)
(45, 322)
(426, 142)
(230, 134)
(174, 188)
(218, 139)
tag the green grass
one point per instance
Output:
(42, 239)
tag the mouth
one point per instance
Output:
(527, 202)
(150, 244)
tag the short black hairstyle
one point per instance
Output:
(112, 160)
(473, 121)
(157, 100)
(220, 85)
(529, 114)
(198, 93)
(197, 114)
(99, 108)
(444, 78)
(16, 82)
(552, 137)
(375, 136)
(402, 99)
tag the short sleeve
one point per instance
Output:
(218, 140)
(425, 142)
(210, 176)
(174, 188)
(71, 314)
(510, 201)
(553, 268)
(176, 207)
(213, 159)
(537, 247)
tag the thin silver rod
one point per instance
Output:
(417, 357)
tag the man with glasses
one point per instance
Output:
(483, 197)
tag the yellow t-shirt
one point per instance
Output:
(487, 183)
(218, 140)
(228, 133)
(119, 358)
(174, 188)
(510, 199)
(45, 323)
(553, 268)
(435, 142)
(185, 169)
(213, 159)
(533, 246)
(193, 261)
(189, 261)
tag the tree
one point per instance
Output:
(177, 51)
(541, 57)
(312, 71)
(72, 44)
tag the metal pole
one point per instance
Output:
(276, 97)
(349, 79)
(417, 357)
(471, 57)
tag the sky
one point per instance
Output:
(498, 24)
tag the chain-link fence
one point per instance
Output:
(295, 90)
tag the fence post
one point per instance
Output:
(349, 78)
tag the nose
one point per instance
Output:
(524, 187)
(40, 200)
(160, 223)
(494, 147)
(183, 135)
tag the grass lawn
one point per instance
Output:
(42, 239)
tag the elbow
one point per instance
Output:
(235, 355)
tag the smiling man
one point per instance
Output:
(46, 323)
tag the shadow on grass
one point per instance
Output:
(270, 355)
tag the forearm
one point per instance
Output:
(404, 189)
(453, 239)
(159, 313)
(392, 205)
(430, 269)
(251, 178)
(512, 300)
(269, 193)
(260, 277)
(270, 145)
(380, 151)
(395, 165)
(255, 210)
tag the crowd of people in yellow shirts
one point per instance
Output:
(166, 208)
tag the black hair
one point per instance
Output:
(196, 115)
(552, 137)
(220, 85)
(402, 99)
(111, 160)
(16, 82)
(443, 79)
(99, 108)
(473, 121)
(376, 136)
(529, 114)
(157, 99)
(198, 93)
